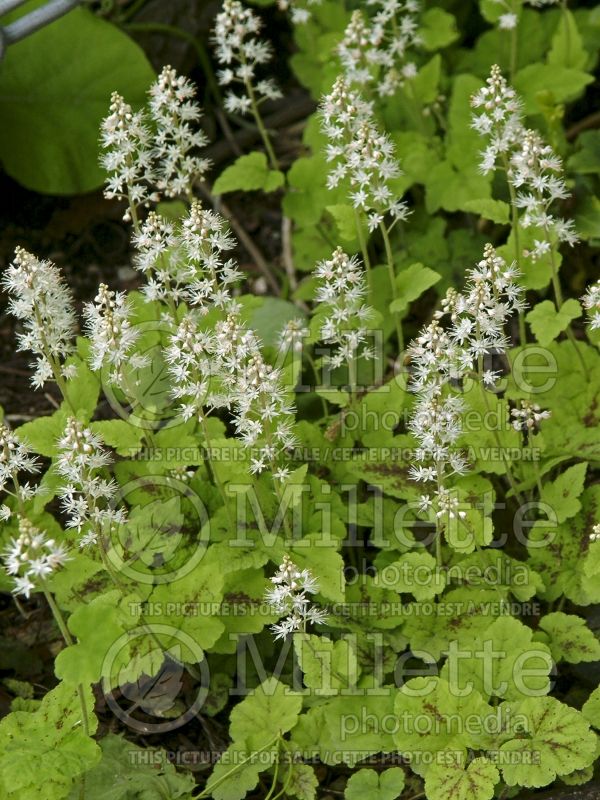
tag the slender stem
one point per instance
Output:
(210, 788)
(261, 126)
(62, 625)
(392, 274)
(514, 214)
(213, 472)
(363, 248)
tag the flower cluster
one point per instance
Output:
(15, 457)
(591, 303)
(528, 416)
(292, 335)
(361, 154)
(175, 112)
(86, 497)
(111, 334)
(128, 159)
(184, 262)
(44, 304)
(532, 167)
(340, 293)
(299, 11)
(152, 151)
(290, 596)
(32, 556)
(240, 51)
(376, 50)
(441, 357)
(499, 118)
(536, 172)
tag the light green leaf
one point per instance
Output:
(557, 741)
(52, 106)
(563, 83)
(449, 779)
(591, 708)
(411, 283)
(437, 29)
(495, 210)
(366, 784)
(44, 752)
(328, 666)
(567, 45)
(547, 323)
(570, 638)
(270, 709)
(249, 173)
(563, 493)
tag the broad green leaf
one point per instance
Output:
(449, 778)
(43, 753)
(570, 638)
(564, 84)
(328, 666)
(591, 708)
(547, 323)
(249, 173)
(567, 45)
(53, 105)
(557, 741)
(270, 709)
(586, 159)
(506, 664)
(496, 210)
(437, 29)
(563, 493)
(125, 774)
(367, 784)
(411, 283)
(415, 573)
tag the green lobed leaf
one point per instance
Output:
(249, 173)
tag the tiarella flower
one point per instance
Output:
(44, 304)
(442, 356)
(595, 534)
(128, 160)
(299, 11)
(86, 497)
(15, 457)
(537, 174)
(591, 303)
(532, 168)
(184, 262)
(340, 293)
(508, 21)
(528, 416)
(240, 52)
(175, 114)
(376, 50)
(499, 118)
(293, 335)
(290, 596)
(361, 154)
(189, 358)
(32, 557)
(111, 334)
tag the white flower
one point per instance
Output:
(340, 292)
(290, 597)
(111, 334)
(128, 160)
(15, 457)
(176, 113)
(360, 153)
(508, 21)
(240, 52)
(528, 416)
(442, 357)
(86, 498)
(41, 300)
(591, 303)
(32, 556)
